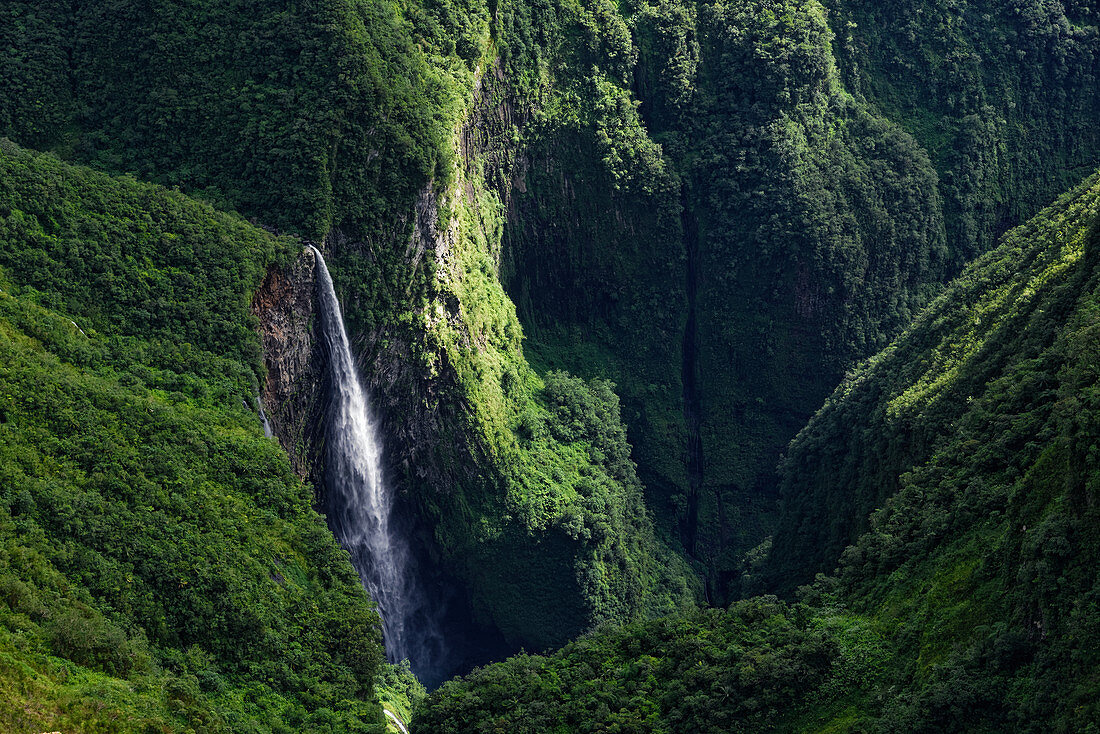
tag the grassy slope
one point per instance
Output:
(969, 604)
(161, 567)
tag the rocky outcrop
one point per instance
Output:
(284, 305)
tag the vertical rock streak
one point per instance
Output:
(358, 502)
(693, 417)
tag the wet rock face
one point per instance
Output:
(284, 304)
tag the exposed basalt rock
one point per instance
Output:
(284, 304)
(412, 387)
(487, 138)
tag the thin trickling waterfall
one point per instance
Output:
(359, 504)
(263, 417)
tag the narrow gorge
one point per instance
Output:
(442, 366)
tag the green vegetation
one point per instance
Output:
(309, 116)
(969, 600)
(398, 691)
(976, 441)
(758, 666)
(709, 208)
(708, 218)
(161, 568)
(991, 325)
(339, 121)
(720, 206)
(715, 207)
(548, 524)
(1001, 93)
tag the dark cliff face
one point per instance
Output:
(411, 383)
(284, 305)
(486, 486)
(718, 236)
(417, 393)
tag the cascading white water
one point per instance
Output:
(263, 417)
(359, 503)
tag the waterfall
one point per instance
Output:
(263, 417)
(359, 504)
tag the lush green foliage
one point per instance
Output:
(590, 251)
(551, 531)
(976, 437)
(719, 251)
(720, 205)
(160, 565)
(337, 120)
(399, 691)
(307, 115)
(911, 398)
(970, 602)
(1003, 95)
(758, 666)
(714, 205)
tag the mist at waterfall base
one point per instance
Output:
(422, 620)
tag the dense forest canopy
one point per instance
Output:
(602, 266)
(160, 561)
(967, 601)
